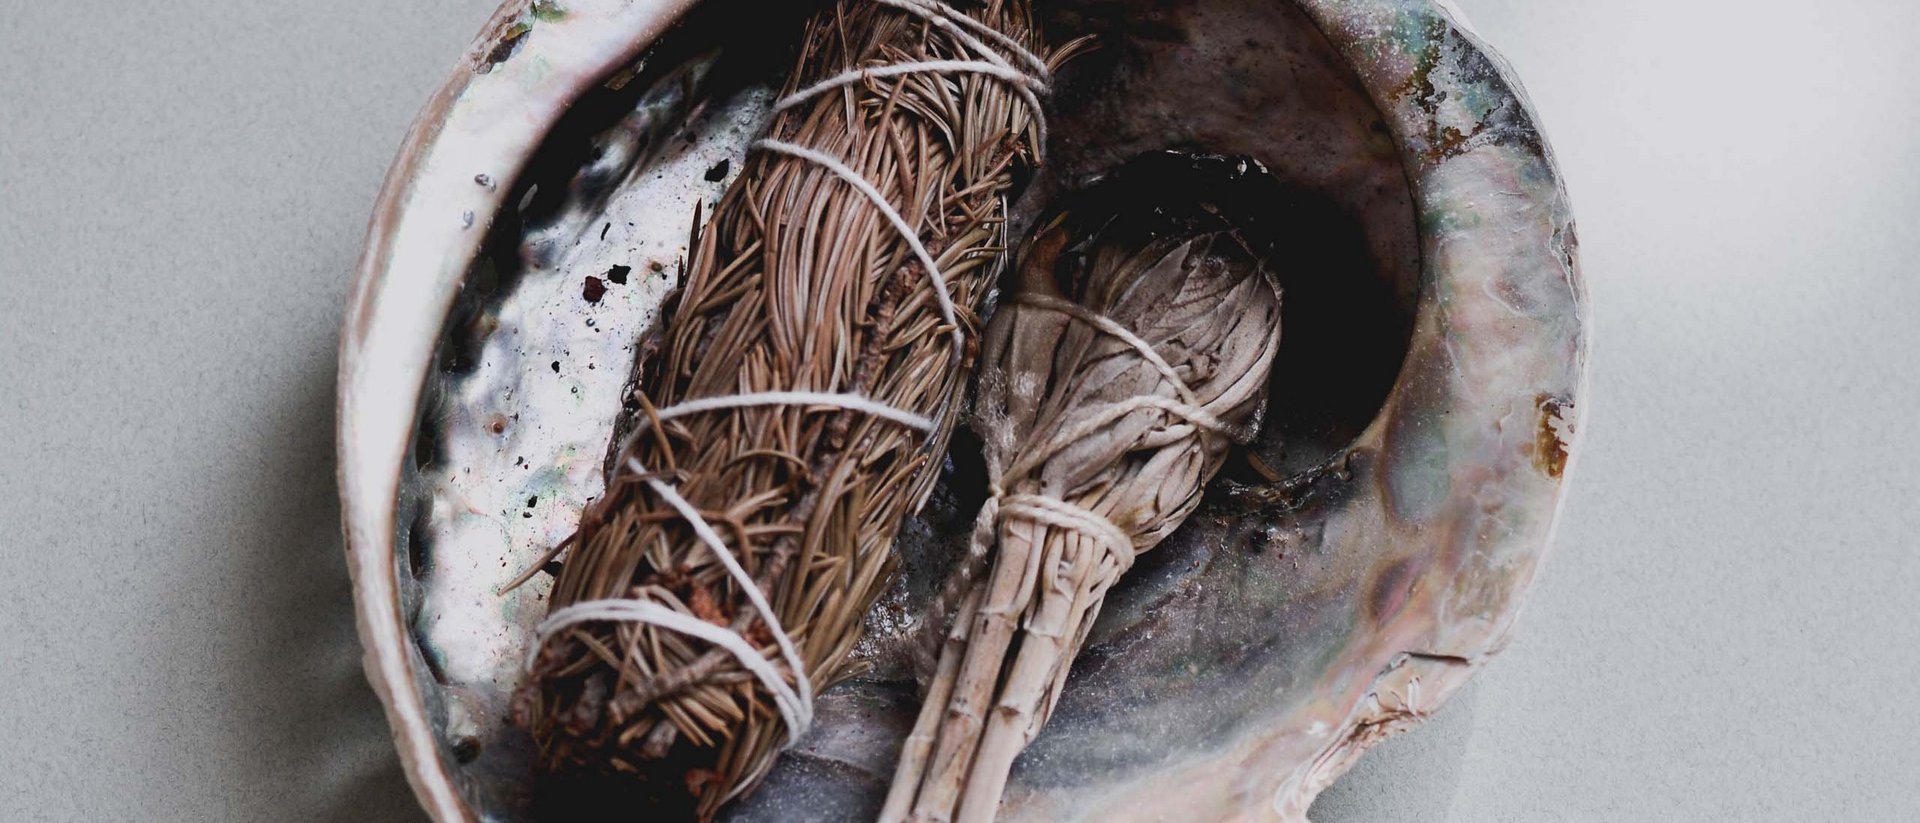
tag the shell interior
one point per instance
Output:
(1380, 531)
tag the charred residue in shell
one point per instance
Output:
(1554, 434)
(1193, 665)
(504, 47)
(470, 323)
(1250, 533)
(1495, 117)
(465, 749)
(514, 32)
(638, 114)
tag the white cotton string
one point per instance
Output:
(1103, 416)
(794, 711)
(1115, 330)
(940, 16)
(1053, 511)
(720, 552)
(1058, 513)
(850, 402)
(851, 76)
(853, 178)
(795, 706)
(943, 17)
(935, 11)
(1187, 408)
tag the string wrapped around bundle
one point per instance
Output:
(795, 404)
(1135, 350)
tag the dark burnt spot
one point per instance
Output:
(618, 274)
(466, 749)
(1419, 84)
(1300, 497)
(1551, 439)
(1391, 588)
(504, 50)
(594, 289)
(1465, 67)
(719, 171)
(1453, 142)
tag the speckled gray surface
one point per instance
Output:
(1723, 631)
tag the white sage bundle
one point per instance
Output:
(1131, 355)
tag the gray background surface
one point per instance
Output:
(1726, 631)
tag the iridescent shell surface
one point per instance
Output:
(1424, 410)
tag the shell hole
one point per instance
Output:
(466, 749)
(418, 562)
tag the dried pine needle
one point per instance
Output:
(803, 285)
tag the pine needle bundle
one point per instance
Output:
(1134, 351)
(796, 402)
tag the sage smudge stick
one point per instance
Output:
(1132, 353)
